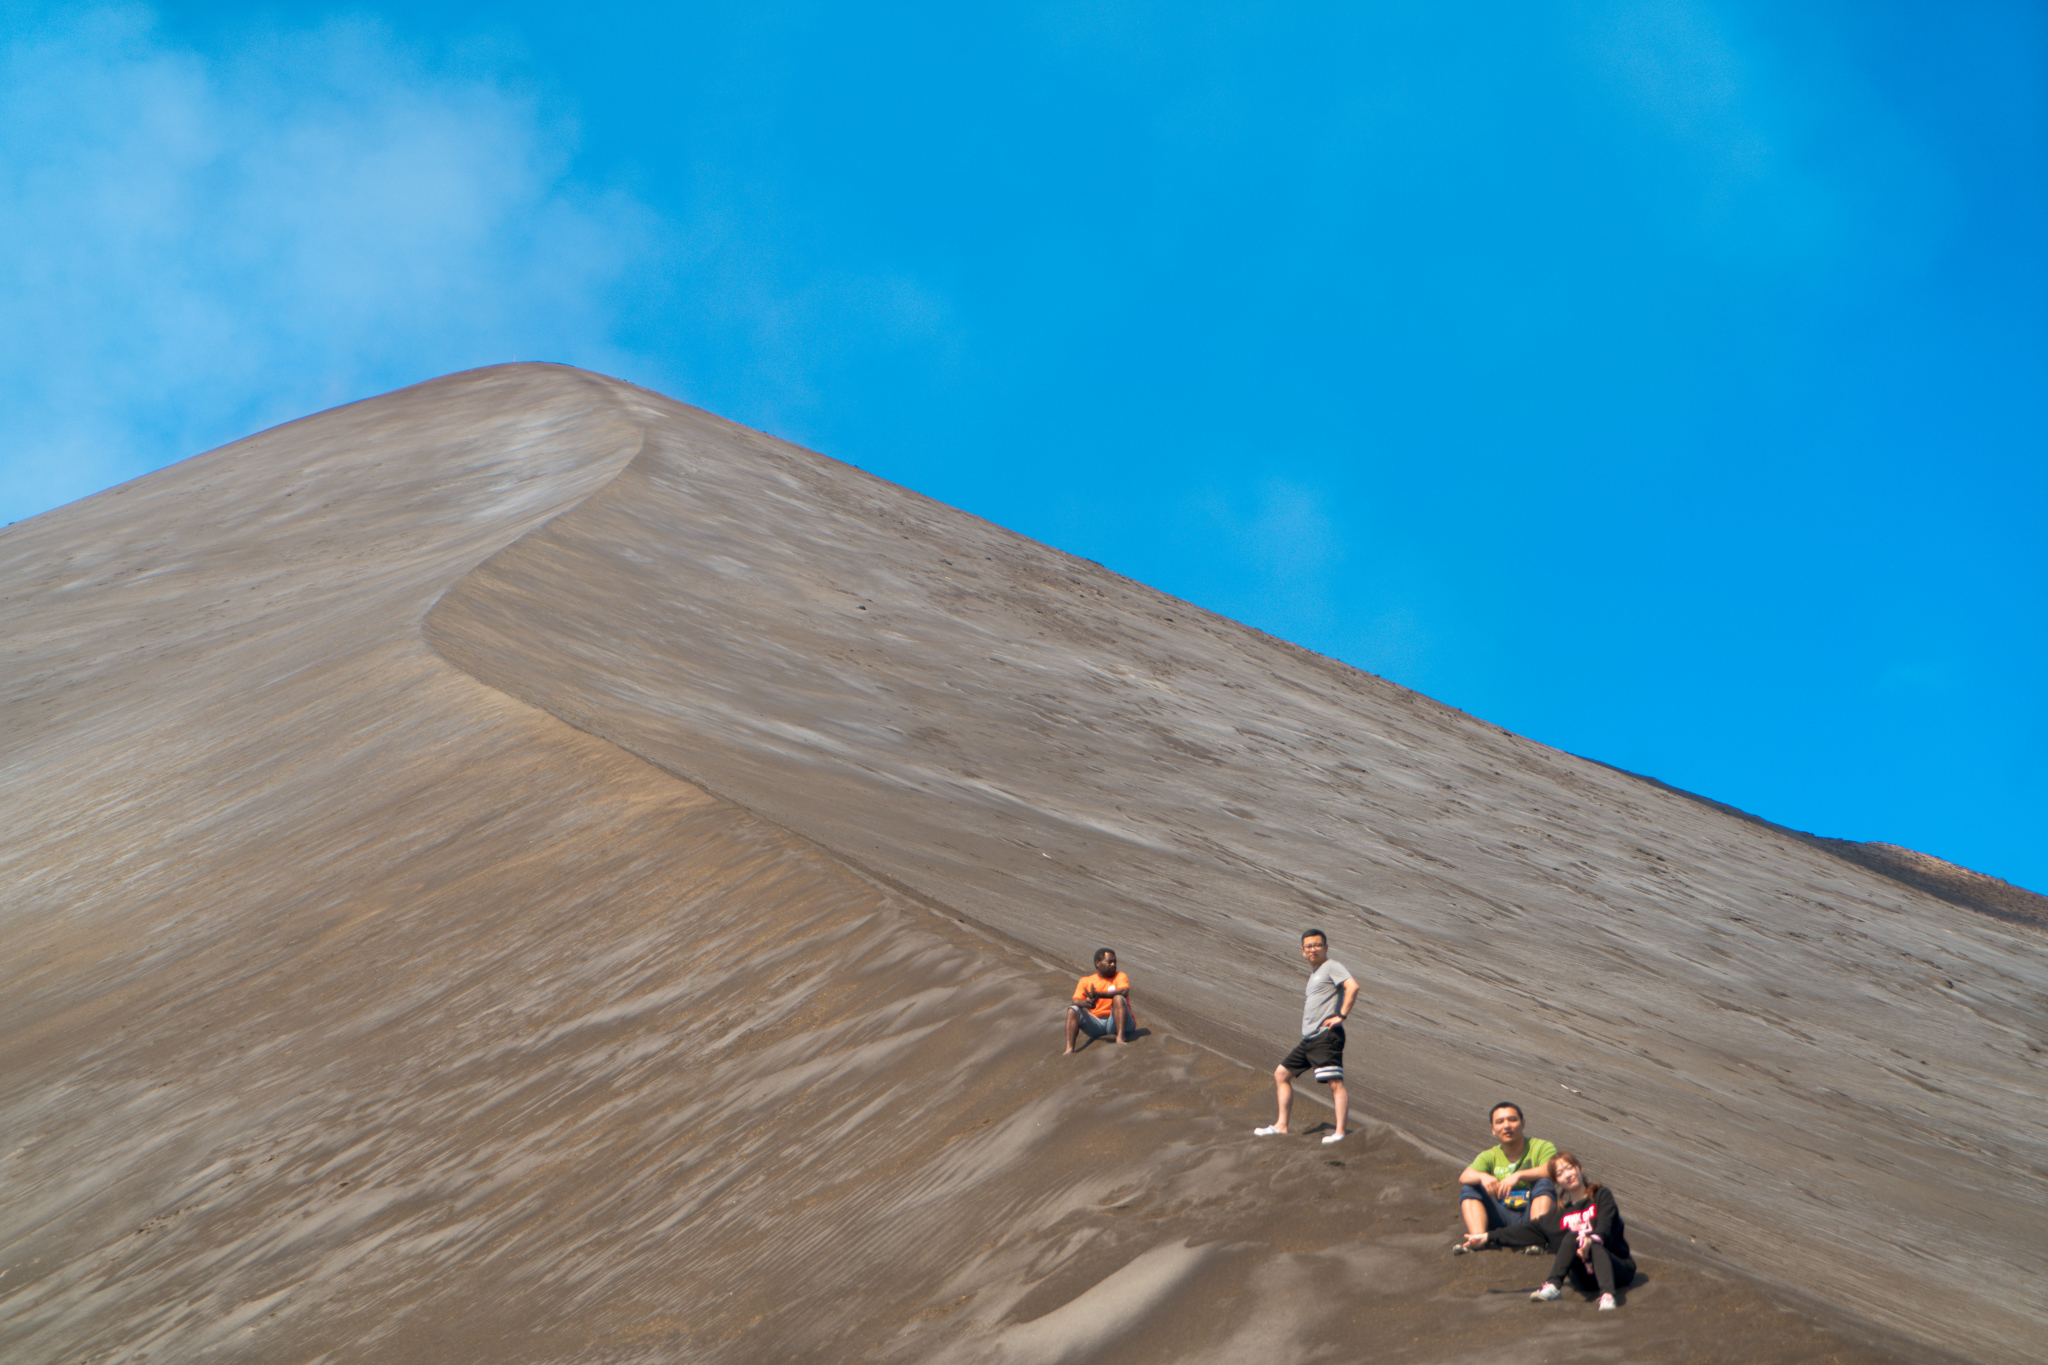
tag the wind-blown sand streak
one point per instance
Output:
(354, 1010)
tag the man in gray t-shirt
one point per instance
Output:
(1331, 992)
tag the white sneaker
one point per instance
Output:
(1606, 1302)
(1269, 1130)
(1549, 1292)
(1329, 1138)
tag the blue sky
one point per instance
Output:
(1663, 381)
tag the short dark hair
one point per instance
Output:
(1308, 934)
(1505, 1104)
(1101, 953)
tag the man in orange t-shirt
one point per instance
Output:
(1102, 1003)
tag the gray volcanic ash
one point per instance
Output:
(521, 869)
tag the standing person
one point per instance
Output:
(1331, 991)
(1100, 1001)
(1491, 1193)
(1585, 1233)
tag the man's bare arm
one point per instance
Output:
(1493, 1185)
(1350, 994)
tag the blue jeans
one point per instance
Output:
(1500, 1215)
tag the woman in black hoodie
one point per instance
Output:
(1584, 1231)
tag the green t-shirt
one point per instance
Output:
(1494, 1162)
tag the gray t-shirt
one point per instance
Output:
(1325, 995)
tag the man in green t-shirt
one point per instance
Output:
(1510, 1183)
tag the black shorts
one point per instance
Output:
(1324, 1051)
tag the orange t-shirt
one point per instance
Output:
(1103, 1004)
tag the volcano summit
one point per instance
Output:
(521, 869)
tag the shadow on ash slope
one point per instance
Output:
(353, 1010)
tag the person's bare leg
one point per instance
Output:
(1127, 1020)
(1073, 1027)
(1343, 1104)
(1284, 1088)
(1474, 1213)
(1539, 1206)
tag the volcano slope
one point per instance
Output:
(521, 869)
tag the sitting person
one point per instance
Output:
(1102, 1003)
(1585, 1235)
(1508, 1184)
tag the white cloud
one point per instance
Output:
(1786, 151)
(1287, 548)
(195, 246)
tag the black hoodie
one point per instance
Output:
(1565, 1220)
